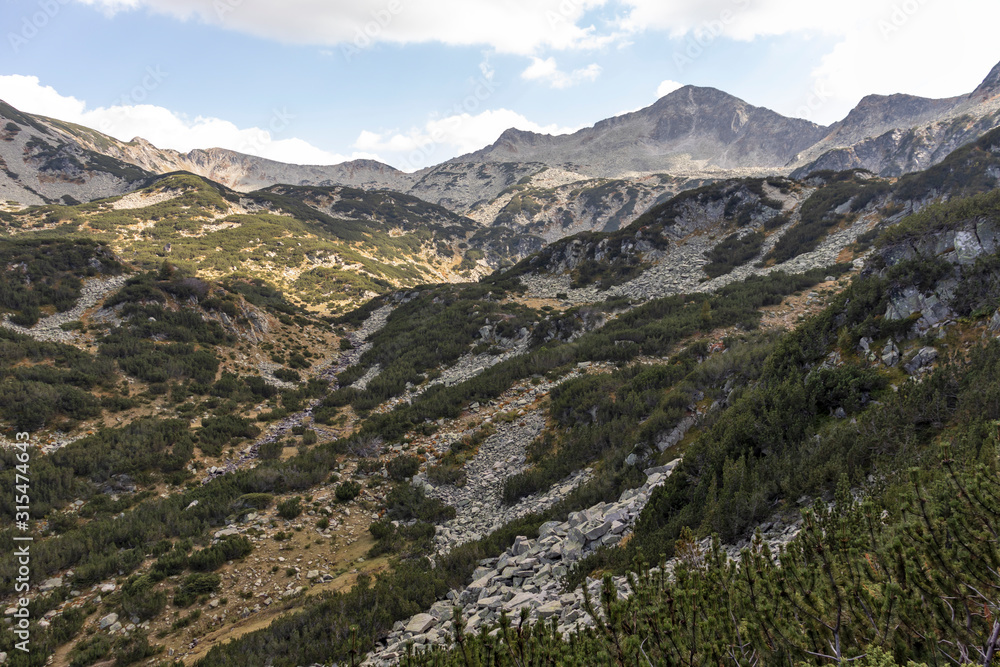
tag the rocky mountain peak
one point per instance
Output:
(876, 114)
(990, 87)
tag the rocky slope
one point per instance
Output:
(39, 165)
(897, 134)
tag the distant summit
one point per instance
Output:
(689, 129)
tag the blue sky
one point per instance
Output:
(415, 82)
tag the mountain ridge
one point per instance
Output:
(626, 163)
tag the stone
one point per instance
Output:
(994, 324)
(549, 609)
(420, 624)
(50, 584)
(548, 528)
(922, 358)
(665, 441)
(890, 354)
(520, 600)
(108, 621)
(967, 247)
(593, 532)
(115, 628)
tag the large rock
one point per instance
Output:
(420, 624)
(521, 545)
(967, 247)
(994, 324)
(108, 621)
(667, 440)
(890, 354)
(596, 530)
(924, 357)
(521, 600)
(50, 584)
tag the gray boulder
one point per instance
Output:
(420, 623)
(994, 324)
(924, 357)
(890, 354)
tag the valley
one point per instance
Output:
(535, 411)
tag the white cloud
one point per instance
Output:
(446, 137)
(509, 26)
(919, 47)
(547, 71)
(165, 128)
(666, 87)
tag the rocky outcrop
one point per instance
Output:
(921, 360)
(905, 149)
(959, 246)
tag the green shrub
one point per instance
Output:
(195, 585)
(348, 490)
(402, 467)
(137, 598)
(231, 547)
(257, 501)
(287, 375)
(291, 508)
(271, 450)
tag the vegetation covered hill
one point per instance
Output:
(330, 247)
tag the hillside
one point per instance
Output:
(230, 465)
(39, 165)
(330, 247)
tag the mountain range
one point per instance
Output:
(624, 164)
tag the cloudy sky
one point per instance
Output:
(415, 82)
